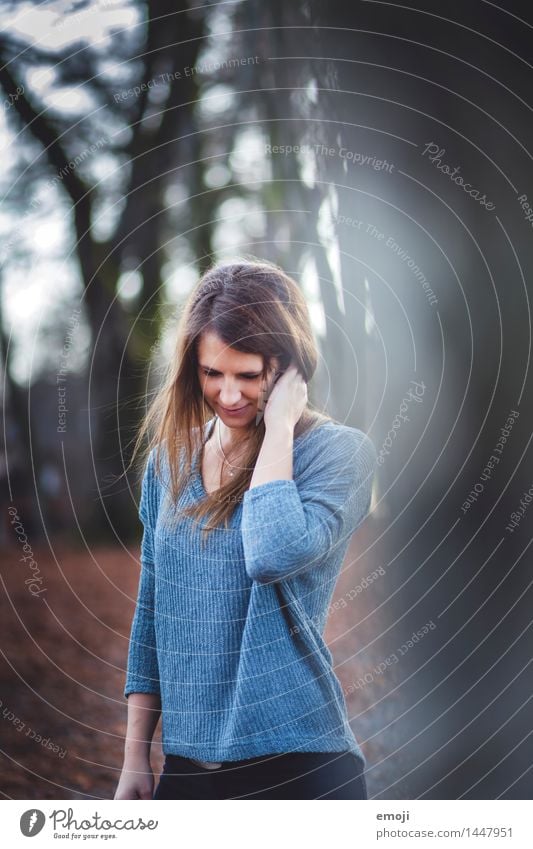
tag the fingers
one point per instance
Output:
(263, 393)
(261, 400)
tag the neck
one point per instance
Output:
(231, 437)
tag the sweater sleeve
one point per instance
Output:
(142, 674)
(289, 526)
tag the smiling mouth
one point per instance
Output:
(236, 410)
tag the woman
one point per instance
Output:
(249, 500)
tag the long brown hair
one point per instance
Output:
(254, 307)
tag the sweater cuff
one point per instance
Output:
(141, 685)
(268, 486)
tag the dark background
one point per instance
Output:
(114, 201)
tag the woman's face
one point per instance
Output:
(230, 380)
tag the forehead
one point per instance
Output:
(213, 351)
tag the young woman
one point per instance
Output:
(249, 499)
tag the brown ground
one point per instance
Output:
(62, 662)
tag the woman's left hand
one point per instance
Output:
(287, 401)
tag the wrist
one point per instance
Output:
(280, 428)
(136, 752)
(139, 763)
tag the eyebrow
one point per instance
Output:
(241, 374)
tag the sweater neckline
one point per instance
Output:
(197, 480)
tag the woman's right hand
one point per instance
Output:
(136, 780)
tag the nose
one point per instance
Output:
(230, 394)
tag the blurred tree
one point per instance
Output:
(295, 103)
(153, 113)
(152, 155)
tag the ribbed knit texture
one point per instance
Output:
(230, 634)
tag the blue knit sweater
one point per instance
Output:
(230, 634)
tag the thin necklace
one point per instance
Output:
(230, 471)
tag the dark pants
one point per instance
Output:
(292, 775)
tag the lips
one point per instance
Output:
(236, 410)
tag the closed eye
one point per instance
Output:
(211, 373)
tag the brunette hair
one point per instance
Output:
(254, 307)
